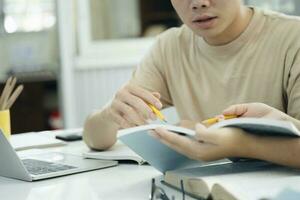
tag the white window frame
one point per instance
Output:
(105, 53)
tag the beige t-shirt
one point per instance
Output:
(200, 80)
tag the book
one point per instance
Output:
(153, 151)
(164, 158)
(118, 152)
(260, 126)
(231, 181)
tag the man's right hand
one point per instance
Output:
(258, 110)
(129, 107)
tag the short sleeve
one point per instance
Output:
(293, 87)
(150, 73)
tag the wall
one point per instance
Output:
(95, 87)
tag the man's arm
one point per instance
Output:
(283, 151)
(100, 131)
(128, 108)
(275, 149)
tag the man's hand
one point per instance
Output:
(258, 110)
(208, 144)
(221, 143)
(129, 107)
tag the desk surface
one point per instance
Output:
(126, 181)
(122, 182)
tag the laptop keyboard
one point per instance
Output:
(37, 167)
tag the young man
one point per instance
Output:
(224, 54)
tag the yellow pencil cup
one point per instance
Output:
(5, 123)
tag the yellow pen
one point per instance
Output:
(157, 113)
(215, 119)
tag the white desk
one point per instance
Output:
(126, 181)
(122, 182)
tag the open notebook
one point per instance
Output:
(240, 180)
(153, 151)
(118, 151)
(164, 158)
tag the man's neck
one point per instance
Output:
(234, 30)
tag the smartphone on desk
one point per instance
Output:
(69, 137)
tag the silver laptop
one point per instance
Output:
(44, 165)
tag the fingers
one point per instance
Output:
(173, 138)
(137, 104)
(239, 109)
(121, 121)
(128, 113)
(145, 96)
(186, 146)
(130, 106)
(181, 144)
(211, 144)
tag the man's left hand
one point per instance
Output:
(208, 144)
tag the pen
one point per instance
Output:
(215, 119)
(157, 113)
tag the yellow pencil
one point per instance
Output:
(215, 119)
(157, 113)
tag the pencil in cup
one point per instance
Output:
(215, 119)
(157, 112)
(14, 97)
(9, 85)
(9, 95)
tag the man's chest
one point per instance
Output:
(212, 86)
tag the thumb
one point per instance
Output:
(238, 109)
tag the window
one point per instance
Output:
(28, 15)
(121, 19)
